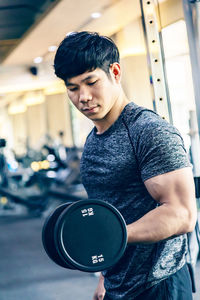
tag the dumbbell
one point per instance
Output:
(87, 235)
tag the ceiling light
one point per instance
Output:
(96, 15)
(38, 60)
(52, 48)
(56, 88)
(16, 108)
(34, 98)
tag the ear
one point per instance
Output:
(115, 70)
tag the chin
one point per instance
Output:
(94, 118)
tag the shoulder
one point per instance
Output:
(145, 123)
(139, 115)
(152, 125)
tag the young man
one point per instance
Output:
(136, 161)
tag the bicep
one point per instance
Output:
(174, 189)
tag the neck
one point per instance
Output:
(103, 124)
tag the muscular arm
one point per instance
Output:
(177, 213)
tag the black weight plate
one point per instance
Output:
(91, 235)
(48, 236)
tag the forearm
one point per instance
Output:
(161, 223)
(100, 290)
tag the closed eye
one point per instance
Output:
(73, 89)
(92, 83)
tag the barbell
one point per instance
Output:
(87, 235)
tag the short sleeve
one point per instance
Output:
(159, 147)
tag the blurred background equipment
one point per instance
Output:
(32, 180)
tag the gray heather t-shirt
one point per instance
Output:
(114, 166)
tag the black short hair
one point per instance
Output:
(84, 51)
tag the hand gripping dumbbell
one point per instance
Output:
(88, 235)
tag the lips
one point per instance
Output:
(89, 108)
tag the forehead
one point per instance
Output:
(85, 76)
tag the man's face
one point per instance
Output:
(94, 93)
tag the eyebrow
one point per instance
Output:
(85, 79)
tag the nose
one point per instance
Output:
(84, 95)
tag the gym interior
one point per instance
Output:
(42, 135)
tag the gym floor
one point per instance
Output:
(27, 273)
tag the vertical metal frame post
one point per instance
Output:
(192, 18)
(155, 57)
